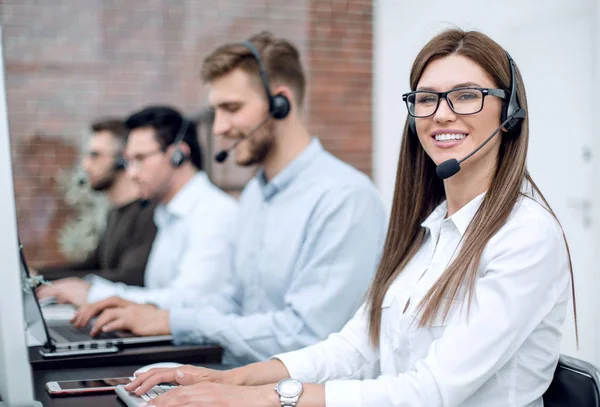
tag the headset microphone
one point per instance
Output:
(450, 167)
(222, 155)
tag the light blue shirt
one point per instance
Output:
(307, 246)
(191, 253)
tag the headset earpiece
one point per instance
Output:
(279, 105)
(512, 106)
(179, 157)
(120, 163)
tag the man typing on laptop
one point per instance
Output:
(310, 230)
(191, 251)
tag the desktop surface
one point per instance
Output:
(143, 355)
(41, 377)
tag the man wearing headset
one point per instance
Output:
(310, 230)
(123, 248)
(191, 253)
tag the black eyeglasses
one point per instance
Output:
(424, 103)
(139, 159)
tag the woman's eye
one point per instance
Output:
(465, 96)
(426, 99)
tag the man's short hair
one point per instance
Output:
(167, 123)
(280, 57)
(114, 126)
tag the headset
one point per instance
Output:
(279, 105)
(510, 108)
(120, 162)
(179, 157)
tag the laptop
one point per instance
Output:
(64, 335)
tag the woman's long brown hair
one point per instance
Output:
(419, 191)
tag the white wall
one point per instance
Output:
(554, 43)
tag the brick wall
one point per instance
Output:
(68, 62)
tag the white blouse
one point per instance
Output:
(503, 354)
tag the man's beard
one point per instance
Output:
(259, 148)
(104, 183)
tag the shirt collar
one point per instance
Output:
(183, 200)
(461, 219)
(287, 175)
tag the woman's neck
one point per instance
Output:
(466, 185)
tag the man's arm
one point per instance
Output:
(203, 269)
(78, 269)
(341, 252)
(132, 261)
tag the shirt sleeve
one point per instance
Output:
(348, 354)
(521, 285)
(204, 268)
(131, 261)
(344, 239)
(80, 269)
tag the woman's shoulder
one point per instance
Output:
(530, 225)
(530, 211)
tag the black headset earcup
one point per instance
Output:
(280, 107)
(178, 158)
(512, 107)
(512, 125)
(120, 163)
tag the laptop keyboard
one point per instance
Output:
(73, 334)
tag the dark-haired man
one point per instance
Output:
(190, 256)
(310, 231)
(123, 248)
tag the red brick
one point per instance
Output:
(69, 62)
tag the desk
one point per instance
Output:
(142, 355)
(40, 377)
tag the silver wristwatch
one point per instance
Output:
(289, 391)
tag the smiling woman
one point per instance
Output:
(468, 302)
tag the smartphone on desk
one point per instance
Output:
(85, 387)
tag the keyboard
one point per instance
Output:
(133, 400)
(73, 334)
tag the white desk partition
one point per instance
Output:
(16, 388)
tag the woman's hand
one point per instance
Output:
(208, 394)
(183, 375)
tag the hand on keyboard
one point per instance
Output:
(157, 391)
(132, 400)
(187, 375)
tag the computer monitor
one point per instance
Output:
(16, 386)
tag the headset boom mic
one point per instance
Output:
(448, 168)
(221, 156)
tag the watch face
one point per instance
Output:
(289, 388)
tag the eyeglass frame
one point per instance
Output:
(141, 158)
(500, 93)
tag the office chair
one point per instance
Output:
(576, 384)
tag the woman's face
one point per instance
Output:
(446, 134)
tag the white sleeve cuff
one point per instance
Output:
(298, 366)
(343, 393)
(100, 288)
